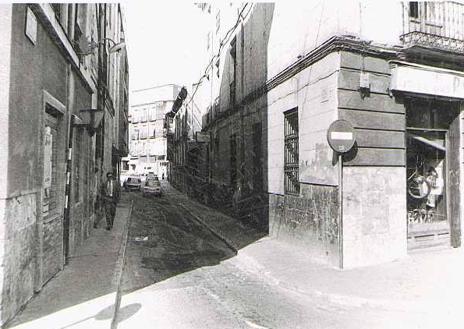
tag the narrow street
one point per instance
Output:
(179, 275)
(165, 241)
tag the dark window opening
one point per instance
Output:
(233, 160)
(77, 165)
(291, 153)
(257, 157)
(413, 9)
(233, 55)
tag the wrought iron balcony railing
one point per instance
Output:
(435, 25)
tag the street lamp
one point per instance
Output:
(87, 47)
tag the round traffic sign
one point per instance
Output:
(341, 136)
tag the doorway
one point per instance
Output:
(51, 201)
(430, 157)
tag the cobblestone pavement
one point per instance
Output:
(180, 275)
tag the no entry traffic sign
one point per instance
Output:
(341, 136)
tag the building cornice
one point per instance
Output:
(334, 44)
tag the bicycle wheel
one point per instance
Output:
(418, 187)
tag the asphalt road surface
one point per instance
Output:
(178, 274)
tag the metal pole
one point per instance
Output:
(340, 214)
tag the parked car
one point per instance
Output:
(152, 186)
(132, 184)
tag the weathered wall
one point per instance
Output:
(33, 68)
(374, 215)
(309, 220)
(34, 244)
(313, 91)
(374, 194)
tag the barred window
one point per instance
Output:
(291, 181)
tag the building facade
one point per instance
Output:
(280, 75)
(64, 121)
(148, 146)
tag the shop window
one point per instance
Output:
(291, 153)
(427, 155)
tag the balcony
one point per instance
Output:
(436, 25)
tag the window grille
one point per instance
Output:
(291, 153)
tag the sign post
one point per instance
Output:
(341, 138)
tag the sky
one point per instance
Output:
(163, 40)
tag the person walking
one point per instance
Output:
(109, 199)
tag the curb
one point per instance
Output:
(344, 300)
(120, 267)
(213, 231)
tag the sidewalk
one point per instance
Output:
(428, 283)
(83, 295)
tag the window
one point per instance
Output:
(291, 180)
(152, 114)
(77, 165)
(135, 134)
(143, 115)
(233, 53)
(257, 156)
(160, 111)
(144, 132)
(233, 160)
(135, 116)
(413, 9)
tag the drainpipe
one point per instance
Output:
(70, 108)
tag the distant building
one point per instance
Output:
(63, 110)
(279, 75)
(147, 130)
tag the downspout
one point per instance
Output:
(70, 108)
